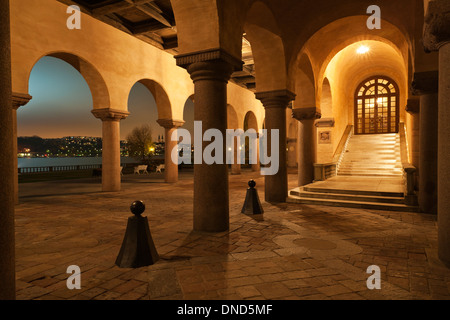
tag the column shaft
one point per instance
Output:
(211, 207)
(428, 153)
(16, 161)
(257, 166)
(111, 180)
(306, 152)
(18, 100)
(236, 166)
(444, 154)
(171, 168)
(7, 252)
(276, 186)
(306, 143)
(275, 103)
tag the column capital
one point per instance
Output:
(276, 98)
(301, 114)
(170, 123)
(436, 31)
(108, 114)
(413, 106)
(20, 99)
(425, 83)
(210, 55)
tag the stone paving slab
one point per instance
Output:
(291, 252)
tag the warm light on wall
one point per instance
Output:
(363, 49)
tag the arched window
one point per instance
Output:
(376, 106)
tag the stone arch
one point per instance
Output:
(95, 81)
(250, 121)
(305, 84)
(326, 99)
(188, 115)
(341, 32)
(263, 33)
(161, 98)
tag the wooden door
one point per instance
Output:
(376, 106)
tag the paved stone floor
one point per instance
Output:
(291, 252)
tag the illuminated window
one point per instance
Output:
(376, 106)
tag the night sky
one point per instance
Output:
(62, 104)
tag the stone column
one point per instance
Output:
(171, 168)
(413, 108)
(210, 71)
(7, 252)
(437, 38)
(425, 85)
(306, 143)
(18, 100)
(275, 103)
(257, 166)
(236, 166)
(292, 157)
(111, 180)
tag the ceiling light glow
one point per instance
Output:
(363, 49)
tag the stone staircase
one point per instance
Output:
(370, 176)
(372, 155)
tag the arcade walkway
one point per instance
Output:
(291, 252)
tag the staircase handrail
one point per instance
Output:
(342, 147)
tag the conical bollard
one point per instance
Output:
(138, 249)
(252, 205)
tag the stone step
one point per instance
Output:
(369, 174)
(363, 166)
(372, 155)
(377, 161)
(300, 192)
(353, 204)
(311, 188)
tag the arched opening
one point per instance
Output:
(147, 103)
(57, 133)
(188, 115)
(143, 115)
(326, 100)
(376, 106)
(262, 31)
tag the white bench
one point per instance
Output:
(160, 167)
(138, 169)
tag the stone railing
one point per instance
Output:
(324, 171)
(30, 170)
(409, 171)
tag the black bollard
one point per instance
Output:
(138, 249)
(252, 205)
